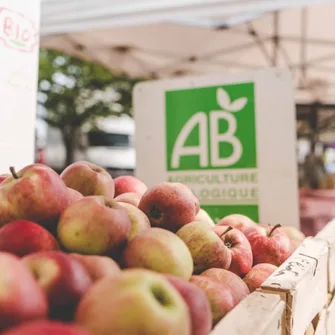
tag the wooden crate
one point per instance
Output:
(320, 323)
(293, 296)
(258, 314)
(302, 284)
(330, 322)
(328, 234)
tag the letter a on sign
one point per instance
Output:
(200, 150)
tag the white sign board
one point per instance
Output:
(19, 46)
(231, 138)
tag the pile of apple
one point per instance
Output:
(83, 254)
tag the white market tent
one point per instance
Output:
(158, 39)
(64, 16)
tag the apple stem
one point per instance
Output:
(274, 228)
(14, 174)
(155, 212)
(226, 231)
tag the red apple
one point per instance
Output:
(197, 302)
(89, 179)
(3, 177)
(74, 195)
(138, 302)
(98, 266)
(231, 281)
(126, 184)
(139, 221)
(161, 251)
(239, 247)
(44, 327)
(94, 226)
(169, 205)
(25, 237)
(129, 198)
(220, 298)
(61, 276)
(207, 248)
(21, 299)
(258, 274)
(238, 221)
(35, 193)
(269, 244)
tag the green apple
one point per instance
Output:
(139, 221)
(206, 246)
(137, 302)
(89, 179)
(94, 226)
(159, 250)
(204, 217)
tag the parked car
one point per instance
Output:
(109, 145)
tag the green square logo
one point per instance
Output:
(211, 128)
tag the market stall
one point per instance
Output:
(149, 255)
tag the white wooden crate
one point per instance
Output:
(301, 282)
(321, 323)
(331, 318)
(328, 234)
(258, 314)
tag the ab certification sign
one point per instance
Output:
(231, 138)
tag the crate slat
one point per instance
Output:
(258, 314)
(321, 323)
(331, 318)
(328, 234)
(301, 282)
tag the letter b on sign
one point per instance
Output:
(211, 128)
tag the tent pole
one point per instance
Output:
(303, 45)
(276, 40)
(260, 43)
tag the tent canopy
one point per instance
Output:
(67, 16)
(181, 37)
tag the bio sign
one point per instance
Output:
(230, 138)
(17, 31)
(19, 49)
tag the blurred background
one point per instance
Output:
(90, 61)
(84, 113)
